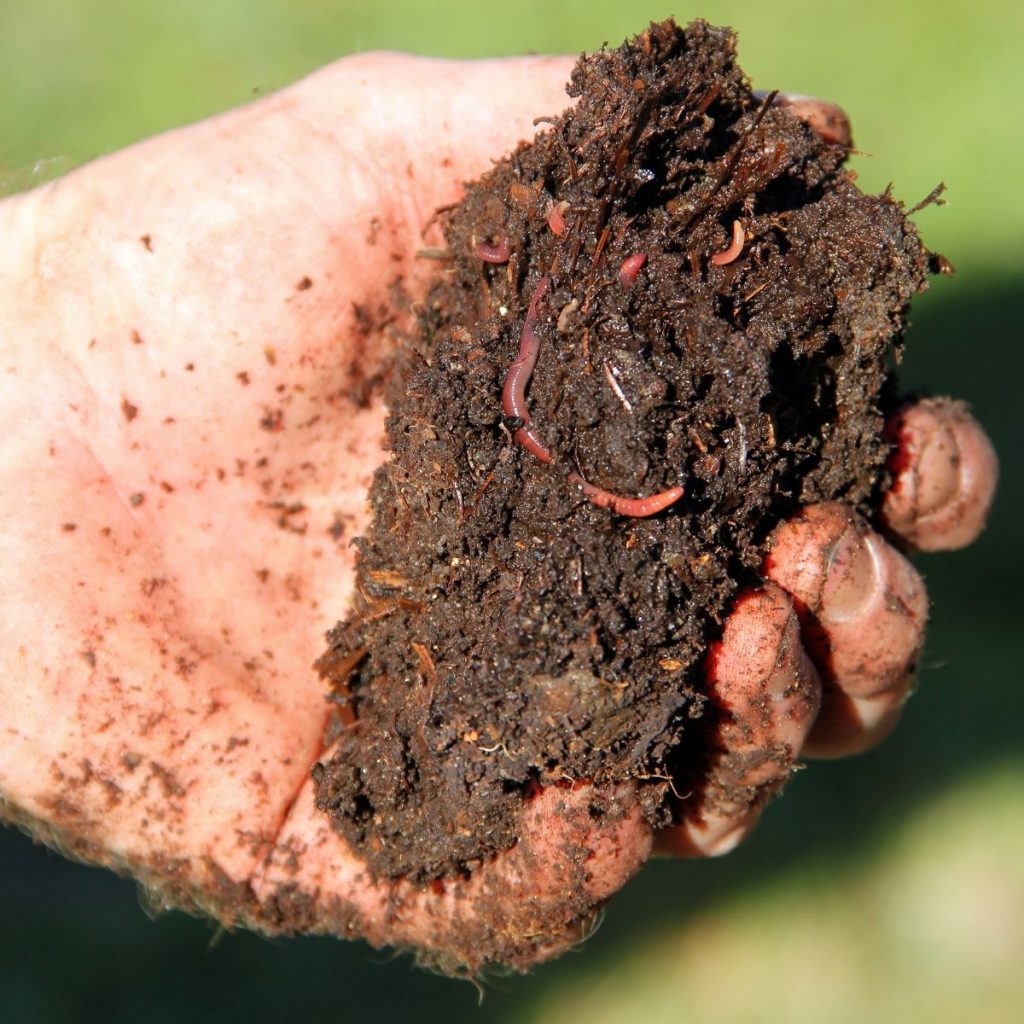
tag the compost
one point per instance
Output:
(657, 330)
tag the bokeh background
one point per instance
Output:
(887, 887)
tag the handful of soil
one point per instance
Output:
(659, 329)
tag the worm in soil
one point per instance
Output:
(631, 266)
(499, 253)
(556, 218)
(513, 392)
(637, 508)
(720, 259)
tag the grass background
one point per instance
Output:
(890, 886)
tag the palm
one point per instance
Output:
(210, 443)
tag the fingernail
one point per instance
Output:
(727, 840)
(937, 471)
(944, 476)
(851, 578)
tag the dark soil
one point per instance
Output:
(509, 633)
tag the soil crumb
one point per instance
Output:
(716, 307)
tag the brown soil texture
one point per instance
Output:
(509, 633)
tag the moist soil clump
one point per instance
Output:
(716, 308)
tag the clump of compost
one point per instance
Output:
(674, 293)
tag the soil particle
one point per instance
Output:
(509, 633)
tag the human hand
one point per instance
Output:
(192, 330)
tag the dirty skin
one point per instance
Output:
(658, 331)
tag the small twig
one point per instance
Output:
(934, 198)
(616, 387)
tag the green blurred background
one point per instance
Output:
(888, 887)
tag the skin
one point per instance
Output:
(945, 471)
(767, 693)
(188, 443)
(827, 119)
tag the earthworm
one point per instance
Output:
(638, 508)
(513, 392)
(720, 259)
(631, 267)
(556, 218)
(499, 253)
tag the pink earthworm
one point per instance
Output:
(631, 266)
(556, 218)
(638, 508)
(720, 259)
(499, 253)
(513, 392)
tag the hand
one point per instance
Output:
(191, 330)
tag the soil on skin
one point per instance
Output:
(508, 633)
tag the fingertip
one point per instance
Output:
(766, 694)
(715, 838)
(751, 638)
(801, 548)
(863, 606)
(759, 657)
(863, 609)
(848, 725)
(945, 472)
(827, 120)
